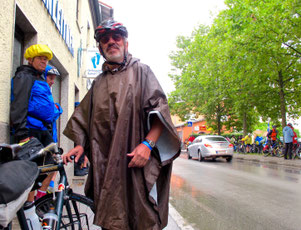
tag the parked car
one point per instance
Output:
(210, 146)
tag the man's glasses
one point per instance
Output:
(105, 39)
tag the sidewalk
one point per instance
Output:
(175, 221)
(268, 160)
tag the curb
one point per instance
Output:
(268, 160)
(178, 219)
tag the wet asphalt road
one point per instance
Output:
(240, 195)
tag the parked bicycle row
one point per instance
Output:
(271, 144)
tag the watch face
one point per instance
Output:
(151, 143)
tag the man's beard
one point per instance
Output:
(116, 56)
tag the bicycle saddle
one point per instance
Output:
(8, 152)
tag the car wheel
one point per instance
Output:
(229, 159)
(200, 157)
(188, 155)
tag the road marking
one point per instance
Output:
(179, 219)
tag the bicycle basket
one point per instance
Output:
(29, 148)
(16, 181)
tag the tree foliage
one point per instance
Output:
(245, 65)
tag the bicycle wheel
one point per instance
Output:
(77, 211)
(280, 153)
(267, 152)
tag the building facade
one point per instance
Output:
(67, 27)
(192, 127)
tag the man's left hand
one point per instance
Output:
(141, 155)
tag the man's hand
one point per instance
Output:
(141, 155)
(76, 151)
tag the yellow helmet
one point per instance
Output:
(38, 50)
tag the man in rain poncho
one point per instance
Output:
(123, 125)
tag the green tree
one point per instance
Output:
(246, 65)
(270, 30)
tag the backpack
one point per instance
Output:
(16, 180)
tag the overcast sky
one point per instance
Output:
(154, 25)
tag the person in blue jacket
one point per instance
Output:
(51, 73)
(288, 135)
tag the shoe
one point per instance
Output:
(28, 204)
(81, 172)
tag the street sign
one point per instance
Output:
(203, 128)
(189, 123)
(94, 63)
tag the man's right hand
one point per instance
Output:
(76, 151)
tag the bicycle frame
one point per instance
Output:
(63, 184)
(61, 201)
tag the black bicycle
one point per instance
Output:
(74, 211)
(275, 149)
(296, 151)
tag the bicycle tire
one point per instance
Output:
(280, 153)
(72, 219)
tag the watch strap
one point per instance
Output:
(151, 143)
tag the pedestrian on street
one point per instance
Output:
(288, 135)
(295, 149)
(273, 135)
(123, 124)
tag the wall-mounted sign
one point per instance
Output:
(94, 63)
(189, 123)
(57, 15)
(203, 128)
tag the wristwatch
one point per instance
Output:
(151, 143)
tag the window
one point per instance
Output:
(216, 139)
(18, 49)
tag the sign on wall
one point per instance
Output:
(57, 15)
(203, 128)
(94, 63)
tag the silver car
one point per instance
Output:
(210, 147)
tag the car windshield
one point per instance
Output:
(216, 139)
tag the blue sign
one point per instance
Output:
(94, 63)
(189, 123)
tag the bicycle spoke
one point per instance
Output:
(77, 212)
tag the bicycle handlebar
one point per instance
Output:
(52, 148)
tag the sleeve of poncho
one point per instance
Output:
(155, 104)
(77, 128)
